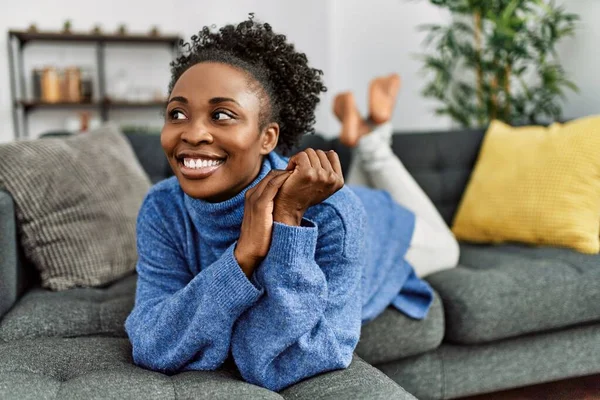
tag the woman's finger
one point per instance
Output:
(265, 181)
(325, 163)
(300, 159)
(270, 191)
(313, 157)
(334, 159)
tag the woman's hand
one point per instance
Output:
(316, 175)
(257, 225)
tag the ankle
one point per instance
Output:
(365, 127)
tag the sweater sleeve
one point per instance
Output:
(309, 319)
(179, 319)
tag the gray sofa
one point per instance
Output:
(507, 316)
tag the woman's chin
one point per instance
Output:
(197, 190)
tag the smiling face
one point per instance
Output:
(211, 134)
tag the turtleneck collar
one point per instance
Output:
(219, 223)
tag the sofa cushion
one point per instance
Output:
(102, 311)
(70, 313)
(454, 371)
(509, 290)
(102, 368)
(393, 335)
(76, 201)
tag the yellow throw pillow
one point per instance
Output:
(535, 185)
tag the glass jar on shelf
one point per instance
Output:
(86, 85)
(51, 85)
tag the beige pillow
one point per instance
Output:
(76, 200)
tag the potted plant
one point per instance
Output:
(497, 60)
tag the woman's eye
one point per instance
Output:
(221, 116)
(176, 114)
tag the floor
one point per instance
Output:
(585, 388)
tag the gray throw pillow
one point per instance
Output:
(77, 200)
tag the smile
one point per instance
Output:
(198, 168)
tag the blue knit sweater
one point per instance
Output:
(299, 314)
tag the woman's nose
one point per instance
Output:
(197, 133)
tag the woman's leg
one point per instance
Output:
(356, 174)
(353, 127)
(433, 246)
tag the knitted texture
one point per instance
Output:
(535, 185)
(301, 311)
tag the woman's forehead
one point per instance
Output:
(208, 80)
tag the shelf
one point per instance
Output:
(134, 104)
(25, 36)
(17, 41)
(30, 105)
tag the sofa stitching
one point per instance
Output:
(173, 386)
(443, 374)
(100, 310)
(60, 383)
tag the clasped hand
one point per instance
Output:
(310, 177)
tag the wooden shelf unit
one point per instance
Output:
(17, 41)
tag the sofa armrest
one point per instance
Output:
(359, 381)
(8, 253)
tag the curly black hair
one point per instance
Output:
(290, 88)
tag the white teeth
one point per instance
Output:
(197, 163)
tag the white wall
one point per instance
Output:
(378, 37)
(350, 40)
(581, 59)
(305, 22)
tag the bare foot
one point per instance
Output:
(353, 125)
(382, 97)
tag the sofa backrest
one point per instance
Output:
(150, 154)
(441, 162)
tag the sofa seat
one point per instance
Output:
(102, 312)
(504, 291)
(102, 368)
(393, 335)
(71, 313)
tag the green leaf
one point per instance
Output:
(520, 33)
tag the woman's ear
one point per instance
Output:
(269, 138)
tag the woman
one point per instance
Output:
(248, 253)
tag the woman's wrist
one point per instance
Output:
(247, 264)
(291, 219)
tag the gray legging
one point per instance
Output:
(433, 247)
